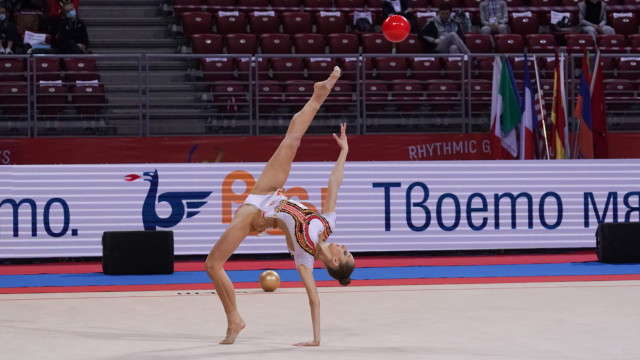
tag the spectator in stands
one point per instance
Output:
(443, 34)
(494, 17)
(8, 32)
(71, 32)
(593, 18)
(55, 6)
(399, 7)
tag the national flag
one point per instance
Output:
(511, 108)
(527, 125)
(540, 129)
(583, 112)
(498, 140)
(598, 112)
(559, 126)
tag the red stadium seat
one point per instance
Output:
(268, 95)
(349, 3)
(391, 68)
(437, 3)
(317, 3)
(625, 25)
(14, 98)
(229, 96)
(343, 43)
(442, 96)
(328, 24)
(297, 92)
(479, 43)
(471, 3)
(634, 40)
(617, 92)
(213, 6)
(376, 95)
(576, 43)
(509, 43)
(309, 43)
(12, 70)
(253, 3)
(181, 6)
(196, 22)
(629, 68)
(47, 69)
(318, 68)
(518, 65)
(543, 19)
(285, 3)
(418, 4)
(375, 43)
(425, 68)
(275, 44)
(296, 22)
(480, 95)
(483, 69)
(524, 25)
(374, 4)
(541, 43)
(80, 69)
(286, 69)
(410, 45)
(614, 43)
(88, 99)
(342, 97)
(51, 99)
(453, 68)
(206, 43)
(351, 67)
(243, 67)
(406, 95)
(264, 23)
(230, 24)
(217, 69)
(572, 3)
(241, 43)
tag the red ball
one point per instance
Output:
(395, 28)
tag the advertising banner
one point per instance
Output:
(62, 210)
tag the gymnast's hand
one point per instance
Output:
(342, 140)
(308, 343)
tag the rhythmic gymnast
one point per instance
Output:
(306, 232)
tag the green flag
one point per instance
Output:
(511, 113)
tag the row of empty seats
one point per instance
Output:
(49, 69)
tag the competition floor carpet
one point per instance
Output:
(541, 306)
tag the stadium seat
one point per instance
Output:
(479, 43)
(181, 6)
(294, 22)
(423, 17)
(453, 68)
(343, 43)
(391, 68)
(286, 69)
(318, 68)
(342, 97)
(374, 4)
(14, 98)
(629, 68)
(268, 96)
(442, 96)
(543, 19)
(297, 92)
(196, 22)
(437, 3)
(350, 4)
(229, 96)
(524, 25)
(241, 43)
(351, 67)
(275, 44)
(425, 68)
(540, 43)
(617, 93)
(285, 3)
(518, 65)
(226, 23)
(252, 4)
(410, 45)
(375, 43)
(634, 40)
(217, 69)
(330, 22)
(376, 95)
(214, 6)
(12, 70)
(572, 3)
(482, 68)
(625, 25)
(614, 43)
(88, 99)
(80, 69)
(480, 95)
(264, 22)
(317, 3)
(406, 95)
(51, 99)
(475, 4)
(243, 67)
(206, 43)
(576, 43)
(47, 69)
(509, 43)
(309, 43)
(418, 4)
(608, 66)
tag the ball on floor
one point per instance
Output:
(269, 280)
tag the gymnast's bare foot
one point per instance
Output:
(322, 89)
(234, 326)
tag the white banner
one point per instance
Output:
(62, 210)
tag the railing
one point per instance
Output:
(159, 95)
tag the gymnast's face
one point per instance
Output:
(340, 252)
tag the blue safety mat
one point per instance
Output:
(381, 273)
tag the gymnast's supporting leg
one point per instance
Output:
(273, 177)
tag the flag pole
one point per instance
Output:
(542, 109)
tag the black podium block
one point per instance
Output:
(137, 252)
(618, 242)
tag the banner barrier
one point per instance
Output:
(62, 210)
(127, 150)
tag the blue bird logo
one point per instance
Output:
(194, 200)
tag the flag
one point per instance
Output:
(598, 111)
(540, 129)
(559, 126)
(583, 112)
(498, 140)
(527, 125)
(511, 108)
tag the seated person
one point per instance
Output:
(494, 17)
(70, 32)
(8, 32)
(593, 18)
(443, 34)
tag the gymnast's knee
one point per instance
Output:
(212, 266)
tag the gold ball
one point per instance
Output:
(269, 280)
